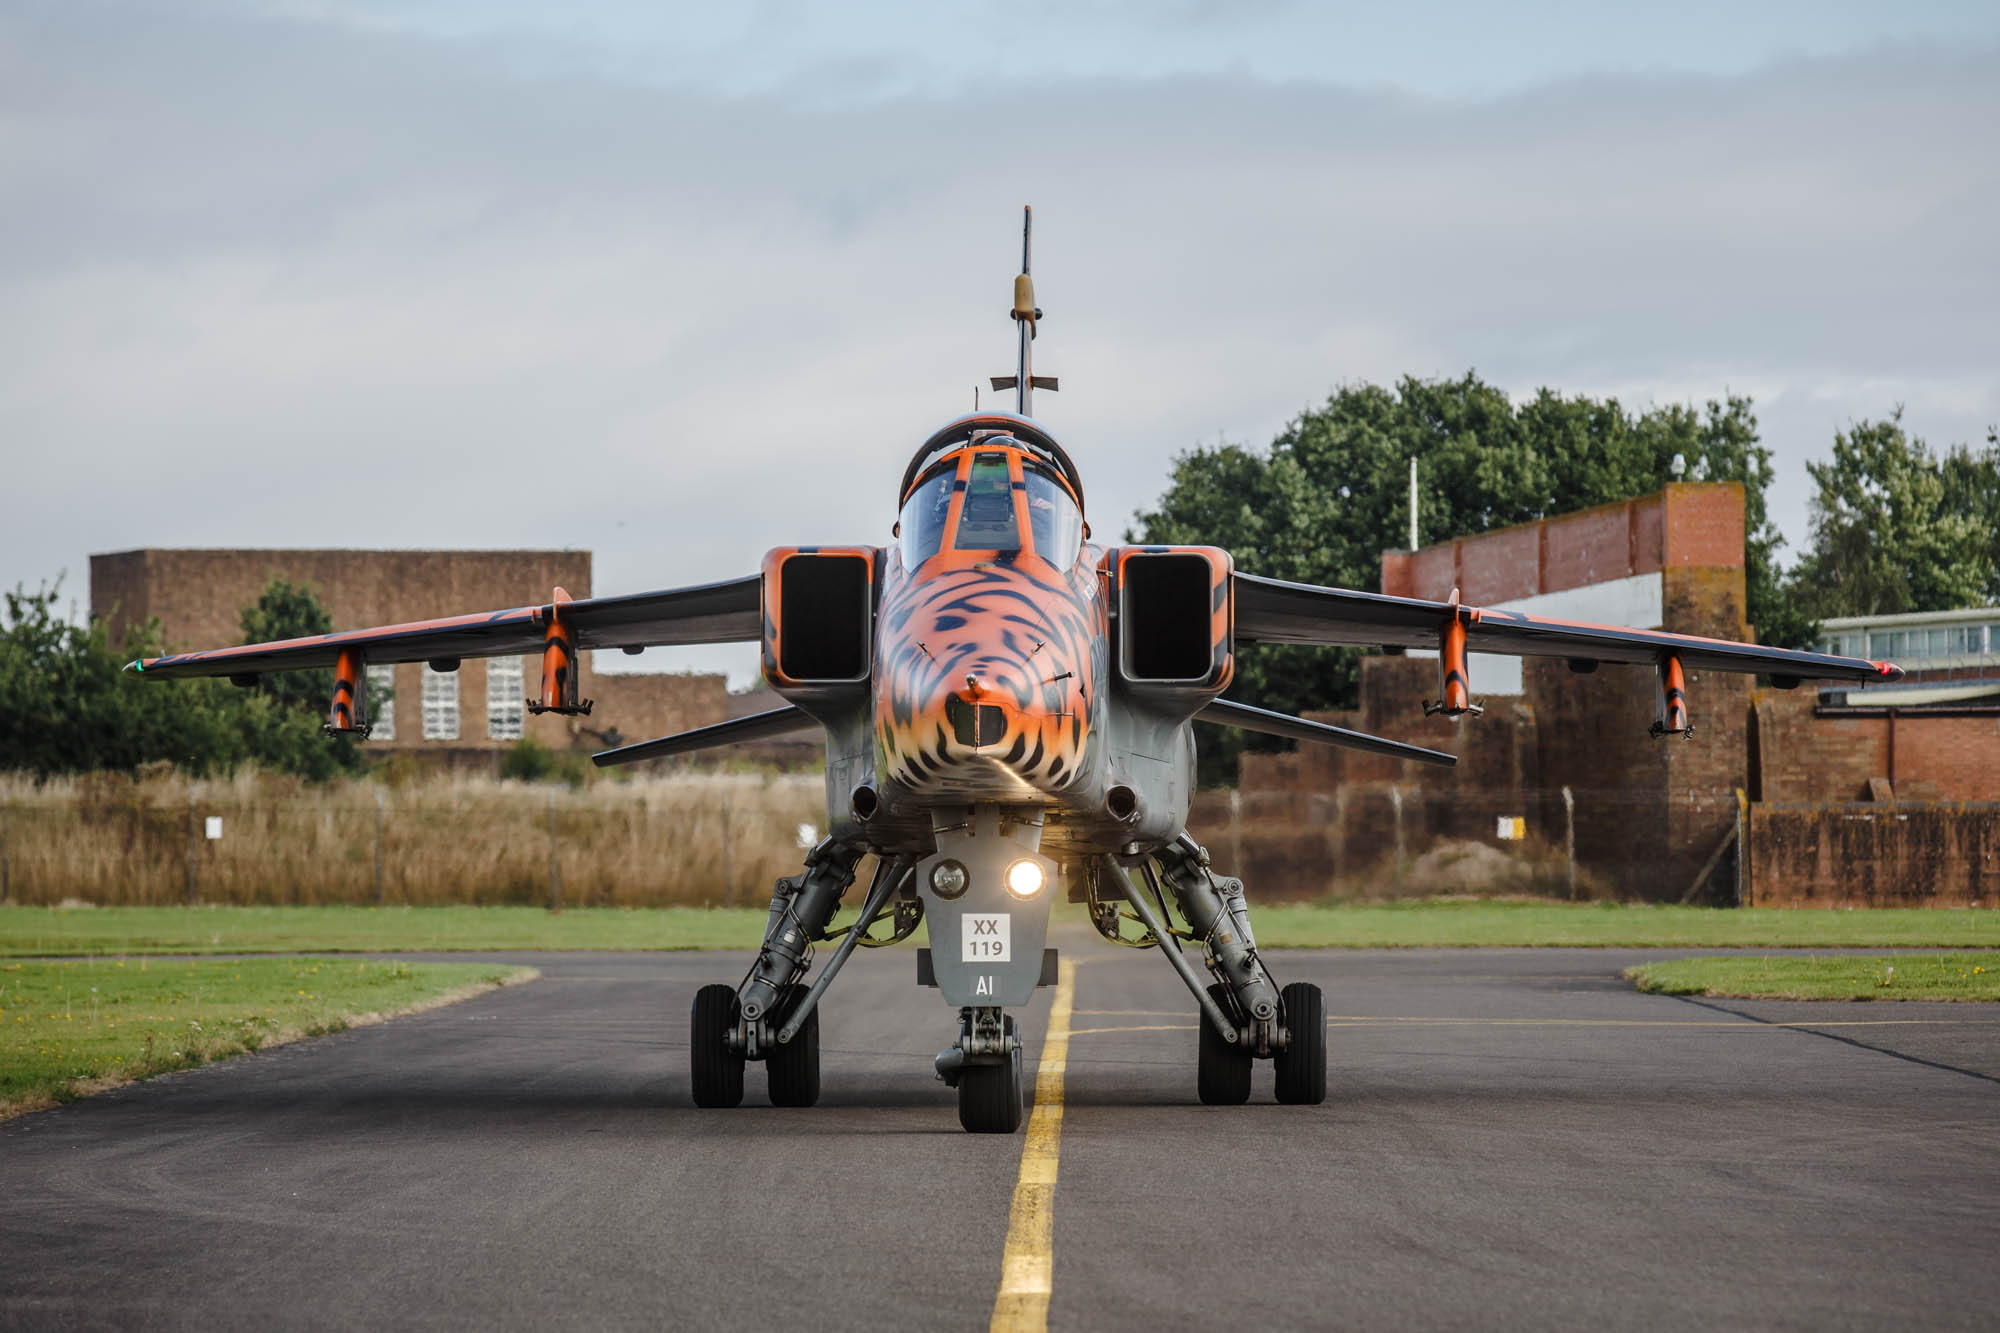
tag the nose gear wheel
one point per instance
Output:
(989, 1095)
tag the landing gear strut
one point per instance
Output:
(1245, 1017)
(772, 1016)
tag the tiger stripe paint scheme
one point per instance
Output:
(968, 633)
(989, 663)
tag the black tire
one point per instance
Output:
(717, 1071)
(792, 1068)
(989, 1096)
(1222, 1068)
(1302, 1064)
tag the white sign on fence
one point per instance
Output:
(214, 824)
(1512, 828)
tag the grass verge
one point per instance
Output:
(1910, 976)
(71, 1028)
(46, 931)
(1449, 924)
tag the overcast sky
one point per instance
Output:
(676, 285)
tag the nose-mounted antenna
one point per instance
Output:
(1025, 315)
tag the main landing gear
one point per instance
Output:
(1245, 1016)
(773, 1016)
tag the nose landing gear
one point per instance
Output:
(985, 1066)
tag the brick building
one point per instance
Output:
(465, 716)
(1570, 753)
(1643, 810)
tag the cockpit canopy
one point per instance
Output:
(991, 497)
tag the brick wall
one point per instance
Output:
(643, 707)
(1929, 854)
(199, 595)
(1690, 525)
(1648, 812)
(1803, 753)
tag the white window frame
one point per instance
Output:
(440, 694)
(506, 705)
(381, 701)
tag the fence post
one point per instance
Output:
(1743, 880)
(378, 846)
(728, 881)
(194, 849)
(1569, 838)
(555, 871)
(1237, 833)
(1396, 800)
(1340, 831)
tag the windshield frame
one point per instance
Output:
(958, 465)
(1067, 526)
(908, 534)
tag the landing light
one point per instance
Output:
(948, 879)
(1024, 879)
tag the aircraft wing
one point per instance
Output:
(1272, 611)
(727, 612)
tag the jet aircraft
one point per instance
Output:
(1008, 712)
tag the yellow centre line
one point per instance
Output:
(1027, 1267)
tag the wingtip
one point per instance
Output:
(1889, 670)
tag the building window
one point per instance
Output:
(440, 705)
(505, 708)
(382, 702)
(1889, 644)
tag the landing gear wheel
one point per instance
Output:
(792, 1068)
(717, 1071)
(989, 1096)
(1302, 1065)
(1222, 1071)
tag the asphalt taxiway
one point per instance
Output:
(1513, 1138)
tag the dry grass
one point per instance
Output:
(700, 839)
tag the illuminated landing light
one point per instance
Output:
(1024, 879)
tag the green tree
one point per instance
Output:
(67, 705)
(1332, 493)
(283, 611)
(1897, 528)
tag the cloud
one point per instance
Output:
(271, 281)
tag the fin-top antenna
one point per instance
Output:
(1026, 316)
